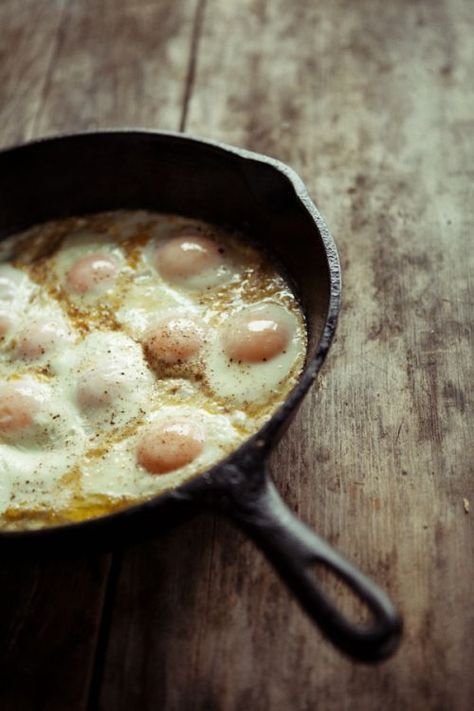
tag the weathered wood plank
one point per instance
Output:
(66, 67)
(119, 65)
(49, 619)
(368, 102)
(28, 44)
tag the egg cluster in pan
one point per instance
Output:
(136, 350)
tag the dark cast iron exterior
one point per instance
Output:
(140, 169)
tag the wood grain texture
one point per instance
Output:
(119, 64)
(28, 42)
(49, 621)
(370, 103)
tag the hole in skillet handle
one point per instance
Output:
(251, 500)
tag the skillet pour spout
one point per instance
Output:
(136, 169)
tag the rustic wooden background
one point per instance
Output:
(372, 104)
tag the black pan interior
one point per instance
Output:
(86, 173)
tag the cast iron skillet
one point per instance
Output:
(84, 173)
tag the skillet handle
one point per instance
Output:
(295, 552)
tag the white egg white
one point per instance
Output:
(39, 335)
(147, 298)
(225, 272)
(34, 478)
(15, 285)
(56, 423)
(5, 481)
(111, 365)
(247, 383)
(32, 461)
(117, 473)
(83, 244)
(49, 314)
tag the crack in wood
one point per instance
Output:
(192, 63)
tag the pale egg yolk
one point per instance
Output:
(5, 324)
(168, 446)
(254, 337)
(174, 340)
(90, 272)
(96, 390)
(187, 256)
(38, 339)
(17, 410)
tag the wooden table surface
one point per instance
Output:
(372, 103)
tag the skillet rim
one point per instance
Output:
(254, 450)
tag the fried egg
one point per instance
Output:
(109, 381)
(88, 265)
(37, 336)
(34, 416)
(43, 337)
(136, 351)
(174, 344)
(254, 353)
(171, 445)
(193, 261)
